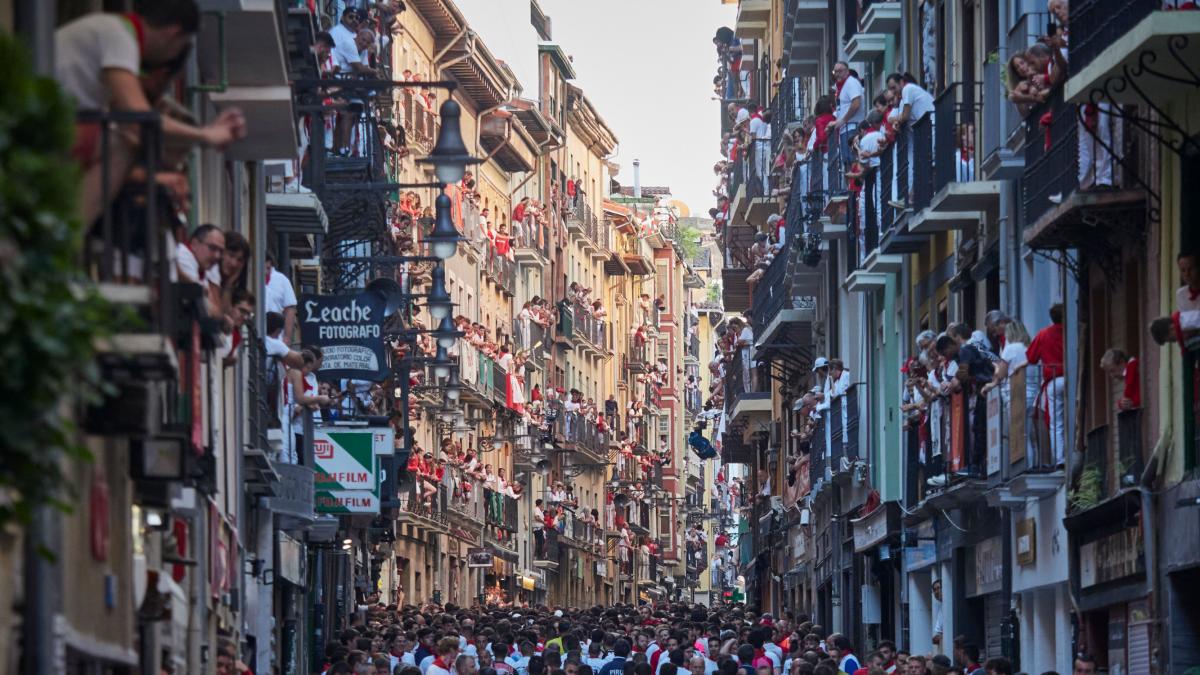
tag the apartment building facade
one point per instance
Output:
(1045, 543)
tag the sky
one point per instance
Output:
(646, 65)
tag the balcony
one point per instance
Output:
(637, 357)
(1114, 43)
(880, 18)
(834, 445)
(503, 137)
(423, 505)
(419, 123)
(501, 271)
(466, 501)
(574, 433)
(789, 108)
(531, 243)
(636, 255)
(530, 336)
(958, 437)
(484, 382)
(550, 554)
(784, 306)
(1003, 137)
(960, 197)
(761, 184)
(746, 397)
(752, 18)
(1058, 213)
(500, 512)
(591, 333)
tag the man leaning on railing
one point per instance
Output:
(97, 61)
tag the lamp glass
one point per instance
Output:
(453, 393)
(441, 370)
(439, 311)
(449, 172)
(444, 250)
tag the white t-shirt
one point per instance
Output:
(1013, 354)
(760, 130)
(920, 100)
(851, 90)
(87, 46)
(275, 347)
(871, 143)
(279, 292)
(188, 266)
(345, 51)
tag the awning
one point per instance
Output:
(503, 553)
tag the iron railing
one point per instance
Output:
(1051, 155)
(920, 178)
(788, 108)
(956, 134)
(1096, 25)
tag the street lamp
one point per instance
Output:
(445, 334)
(441, 364)
(453, 386)
(443, 240)
(439, 300)
(450, 157)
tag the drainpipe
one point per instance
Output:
(1008, 251)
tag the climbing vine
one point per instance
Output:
(50, 316)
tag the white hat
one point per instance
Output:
(821, 362)
(558, 612)
(774, 218)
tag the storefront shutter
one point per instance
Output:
(994, 612)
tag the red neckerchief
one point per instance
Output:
(139, 30)
(269, 270)
(1193, 293)
(440, 663)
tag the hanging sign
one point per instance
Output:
(349, 331)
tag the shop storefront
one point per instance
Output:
(1039, 585)
(923, 609)
(876, 537)
(1109, 572)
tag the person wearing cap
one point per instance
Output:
(940, 665)
(822, 387)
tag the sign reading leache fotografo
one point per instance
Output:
(349, 330)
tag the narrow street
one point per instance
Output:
(558, 337)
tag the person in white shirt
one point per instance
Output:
(349, 42)
(595, 658)
(97, 60)
(279, 296)
(200, 254)
(850, 108)
(915, 104)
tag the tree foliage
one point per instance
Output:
(49, 315)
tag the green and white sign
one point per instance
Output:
(345, 460)
(347, 501)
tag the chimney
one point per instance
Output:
(637, 179)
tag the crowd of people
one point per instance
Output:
(648, 639)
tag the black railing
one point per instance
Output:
(1129, 447)
(638, 355)
(501, 510)
(1097, 24)
(888, 186)
(920, 178)
(772, 292)
(956, 134)
(838, 159)
(740, 378)
(758, 168)
(1051, 155)
(788, 108)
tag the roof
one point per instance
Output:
(559, 57)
